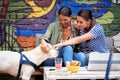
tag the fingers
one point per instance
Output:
(42, 41)
(55, 47)
(45, 49)
(44, 46)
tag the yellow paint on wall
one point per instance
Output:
(39, 11)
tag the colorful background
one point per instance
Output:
(21, 20)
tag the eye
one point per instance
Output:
(81, 22)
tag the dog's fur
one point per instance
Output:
(9, 61)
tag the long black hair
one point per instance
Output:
(86, 14)
(65, 11)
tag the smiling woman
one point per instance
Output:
(60, 31)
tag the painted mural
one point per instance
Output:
(21, 20)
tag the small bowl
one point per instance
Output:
(73, 69)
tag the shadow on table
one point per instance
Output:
(6, 77)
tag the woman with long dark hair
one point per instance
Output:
(58, 32)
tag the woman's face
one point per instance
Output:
(82, 23)
(65, 21)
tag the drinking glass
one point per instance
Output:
(58, 63)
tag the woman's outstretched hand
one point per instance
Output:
(56, 46)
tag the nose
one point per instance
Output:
(78, 24)
(62, 22)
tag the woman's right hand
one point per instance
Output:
(44, 46)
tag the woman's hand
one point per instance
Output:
(56, 46)
(44, 46)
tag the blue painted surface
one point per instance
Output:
(101, 8)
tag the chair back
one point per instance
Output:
(110, 43)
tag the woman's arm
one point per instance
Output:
(75, 40)
(48, 33)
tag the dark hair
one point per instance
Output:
(86, 14)
(65, 11)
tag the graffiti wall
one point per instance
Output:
(21, 20)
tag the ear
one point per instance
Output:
(89, 21)
(71, 17)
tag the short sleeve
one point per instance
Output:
(97, 30)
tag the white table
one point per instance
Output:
(81, 74)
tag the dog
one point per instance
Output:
(10, 60)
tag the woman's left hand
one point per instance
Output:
(56, 46)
